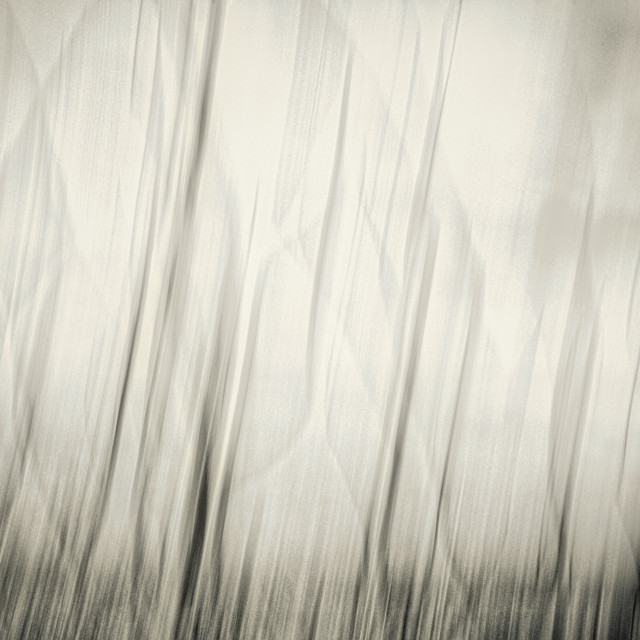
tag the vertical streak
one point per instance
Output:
(374, 557)
(326, 223)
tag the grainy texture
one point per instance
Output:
(319, 319)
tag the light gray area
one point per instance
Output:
(319, 318)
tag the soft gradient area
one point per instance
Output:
(319, 319)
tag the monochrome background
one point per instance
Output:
(319, 319)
